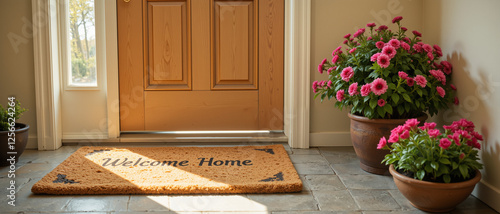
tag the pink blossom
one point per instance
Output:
(366, 89)
(369, 38)
(417, 48)
(353, 89)
(430, 55)
(456, 138)
(359, 32)
(437, 48)
(433, 133)
(416, 33)
(430, 125)
(374, 57)
(395, 43)
(381, 102)
(379, 86)
(383, 60)
(329, 85)
(444, 143)
(340, 95)
(370, 25)
(347, 36)
(389, 51)
(335, 58)
(345, 41)
(477, 136)
(462, 156)
(439, 75)
(404, 29)
(382, 143)
(403, 75)
(338, 49)
(455, 101)
(397, 19)
(421, 81)
(411, 123)
(453, 87)
(440, 91)
(347, 73)
(320, 68)
(394, 138)
(399, 129)
(380, 44)
(410, 81)
(427, 48)
(405, 46)
(329, 71)
(405, 135)
(352, 50)
(407, 40)
(382, 27)
(447, 67)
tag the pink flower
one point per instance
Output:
(382, 27)
(347, 73)
(477, 136)
(374, 57)
(427, 48)
(437, 48)
(389, 51)
(340, 95)
(394, 138)
(399, 129)
(366, 89)
(421, 81)
(382, 143)
(455, 101)
(404, 29)
(444, 143)
(403, 75)
(405, 135)
(347, 36)
(439, 75)
(434, 133)
(453, 87)
(462, 156)
(447, 67)
(397, 19)
(410, 81)
(411, 123)
(430, 56)
(338, 49)
(381, 102)
(359, 32)
(395, 43)
(329, 71)
(383, 60)
(440, 91)
(456, 138)
(416, 33)
(320, 68)
(430, 125)
(370, 25)
(379, 86)
(352, 50)
(335, 58)
(405, 46)
(417, 48)
(345, 41)
(353, 89)
(407, 40)
(329, 85)
(369, 38)
(380, 44)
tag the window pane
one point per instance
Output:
(82, 45)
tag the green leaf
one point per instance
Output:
(373, 103)
(445, 161)
(392, 86)
(421, 174)
(435, 165)
(428, 168)
(407, 98)
(446, 178)
(381, 112)
(388, 108)
(401, 109)
(419, 91)
(464, 171)
(395, 98)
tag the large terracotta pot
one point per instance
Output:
(434, 197)
(21, 135)
(365, 135)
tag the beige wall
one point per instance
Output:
(469, 34)
(17, 77)
(330, 21)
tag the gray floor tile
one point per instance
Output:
(319, 212)
(339, 200)
(35, 170)
(349, 169)
(314, 169)
(337, 150)
(367, 181)
(401, 200)
(324, 182)
(286, 202)
(308, 159)
(98, 203)
(143, 203)
(215, 203)
(311, 151)
(374, 200)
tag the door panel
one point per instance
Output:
(201, 64)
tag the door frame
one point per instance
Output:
(296, 82)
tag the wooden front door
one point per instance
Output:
(200, 64)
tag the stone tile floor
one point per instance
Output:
(333, 183)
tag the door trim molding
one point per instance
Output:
(297, 75)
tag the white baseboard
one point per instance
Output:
(320, 139)
(488, 194)
(85, 135)
(32, 142)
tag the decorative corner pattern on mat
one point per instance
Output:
(62, 179)
(270, 151)
(277, 177)
(97, 151)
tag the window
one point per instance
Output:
(80, 42)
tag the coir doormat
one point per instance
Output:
(173, 170)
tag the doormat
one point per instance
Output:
(173, 170)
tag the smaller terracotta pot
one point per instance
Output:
(434, 197)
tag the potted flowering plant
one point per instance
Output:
(385, 77)
(435, 171)
(13, 135)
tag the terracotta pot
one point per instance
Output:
(21, 141)
(434, 197)
(365, 135)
